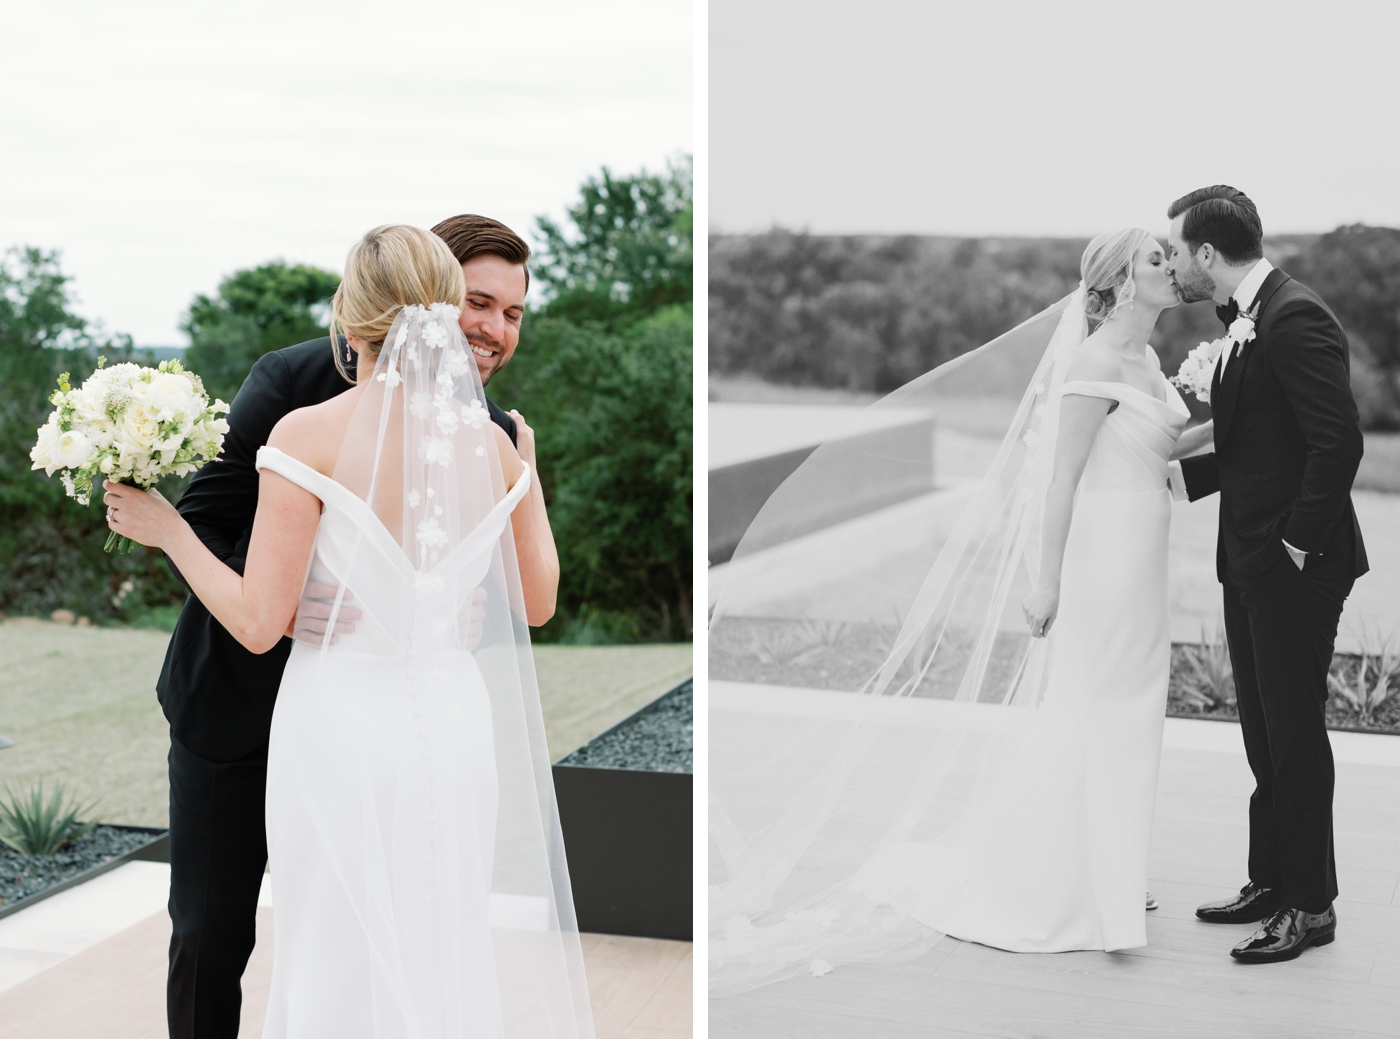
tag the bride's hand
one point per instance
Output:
(1040, 608)
(143, 516)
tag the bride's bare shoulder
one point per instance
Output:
(1094, 361)
(314, 434)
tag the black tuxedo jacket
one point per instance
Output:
(216, 695)
(1287, 440)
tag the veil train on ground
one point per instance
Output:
(871, 677)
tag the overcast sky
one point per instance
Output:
(1049, 118)
(161, 146)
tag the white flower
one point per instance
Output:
(413, 498)
(481, 452)
(820, 967)
(456, 363)
(403, 335)
(430, 534)
(476, 413)
(42, 454)
(413, 352)
(170, 395)
(434, 335)
(435, 449)
(1032, 438)
(437, 510)
(1241, 330)
(447, 420)
(421, 404)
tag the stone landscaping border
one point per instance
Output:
(157, 849)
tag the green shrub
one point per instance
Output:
(33, 824)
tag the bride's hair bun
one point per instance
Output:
(393, 266)
(1098, 304)
(1107, 271)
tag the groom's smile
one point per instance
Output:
(494, 308)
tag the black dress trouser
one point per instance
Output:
(218, 852)
(1282, 627)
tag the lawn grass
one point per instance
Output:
(80, 705)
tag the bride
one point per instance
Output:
(987, 785)
(418, 876)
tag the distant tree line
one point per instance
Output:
(868, 312)
(602, 373)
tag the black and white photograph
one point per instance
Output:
(1053, 520)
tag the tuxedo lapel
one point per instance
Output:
(1227, 387)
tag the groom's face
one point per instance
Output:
(493, 311)
(1193, 282)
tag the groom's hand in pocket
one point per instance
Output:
(314, 614)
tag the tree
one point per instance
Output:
(628, 253)
(1356, 269)
(51, 547)
(603, 375)
(255, 311)
(613, 415)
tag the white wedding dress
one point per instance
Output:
(419, 887)
(977, 783)
(1059, 857)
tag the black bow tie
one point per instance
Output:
(1228, 312)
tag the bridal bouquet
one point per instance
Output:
(129, 424)
(1196, 372)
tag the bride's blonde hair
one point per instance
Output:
(1107, 270)
(393, 266)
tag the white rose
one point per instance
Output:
(169, 394)
(139, 429)
(42, 455)
(72, 449)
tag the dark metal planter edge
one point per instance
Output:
(157, 849)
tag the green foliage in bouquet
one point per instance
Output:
(33, 824)
(604, 376)
(51, 551)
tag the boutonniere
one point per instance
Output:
(1196, 372)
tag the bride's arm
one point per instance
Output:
(535, 552)
(1193, 439)
(1080, 419)
(254, 606)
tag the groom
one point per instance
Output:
(218, 697)
(1287, 446)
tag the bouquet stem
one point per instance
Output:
(116, 542)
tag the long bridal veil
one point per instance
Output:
(447, 842)
(871, 673)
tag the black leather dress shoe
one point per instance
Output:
(1252, 903)
(1286, 934)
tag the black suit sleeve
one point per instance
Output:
(1309, 360)
(222, 498)
(1202, 475)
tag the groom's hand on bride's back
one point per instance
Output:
(314, 614)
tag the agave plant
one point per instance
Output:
(1212, 680)
(33, 824)
(1373, 682)
(790, 642)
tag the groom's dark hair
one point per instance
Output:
(1224, 217)
(469, 235)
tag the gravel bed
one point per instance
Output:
(25, 875)
(659, 739)
(830, 655)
